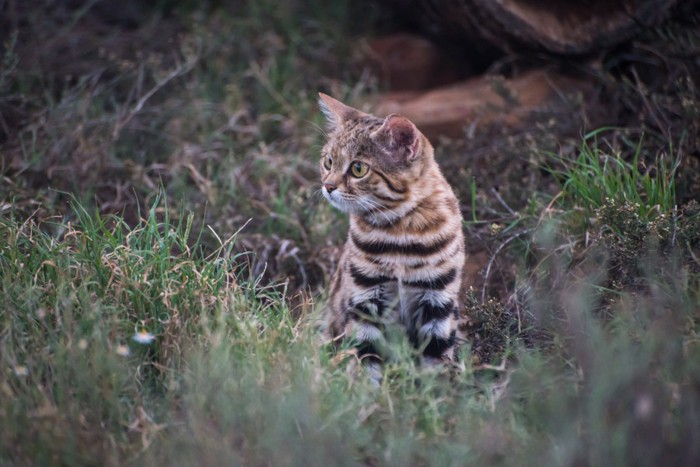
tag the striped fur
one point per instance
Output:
(404, 255)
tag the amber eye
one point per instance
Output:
(359, 169)
(328, 163)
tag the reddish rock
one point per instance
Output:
(480, 101)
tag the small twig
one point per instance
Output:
(294, 253)
(486, 366)
(548, 208)
(650, 109)
(178, 71)
(514, 299)
(497, 390)
(223, 244)
(675, 219)
(257, 71)
(493, 258)
(502, 201)
(695, 258)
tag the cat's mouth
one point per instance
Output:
(349, 203)
(340, 201)
(364, 206)
(371, 210)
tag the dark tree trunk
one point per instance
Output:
(559, 26)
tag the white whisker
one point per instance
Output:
(318, 128)
(317, 193)
(376, 208)
(360, 205)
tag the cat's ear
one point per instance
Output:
(399, 137)
(335, 111)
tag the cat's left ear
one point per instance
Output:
(399, 137)
(335, 111)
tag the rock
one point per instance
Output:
(481, 101)
(406, 62)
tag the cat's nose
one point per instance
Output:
(329, 187)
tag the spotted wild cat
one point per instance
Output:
(402, 262)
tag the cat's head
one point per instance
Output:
(369, 164)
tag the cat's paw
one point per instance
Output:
(374, 372)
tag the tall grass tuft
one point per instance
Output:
(600, 175)
(95, 318)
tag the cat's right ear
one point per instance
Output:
(399, 138)
(335, 111)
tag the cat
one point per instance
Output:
(403, 259)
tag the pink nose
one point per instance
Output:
(329, 187)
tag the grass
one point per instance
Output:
(228, 356)
(164, 255)
(597, 178)
(233, 375)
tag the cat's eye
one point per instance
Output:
(359, 169)
(328, 163)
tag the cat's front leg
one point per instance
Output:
(366, 317)
(433, 324)
(367, 307)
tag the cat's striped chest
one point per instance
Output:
(402, 253)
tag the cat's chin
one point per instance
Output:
(342, 204)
